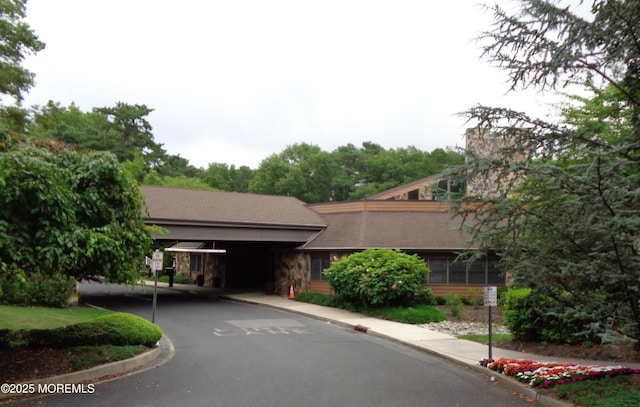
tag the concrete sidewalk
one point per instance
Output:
(458, 350)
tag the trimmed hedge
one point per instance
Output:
(119, 329)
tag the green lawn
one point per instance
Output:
(484, 339)
(14, 317)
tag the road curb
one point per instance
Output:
(106, 372)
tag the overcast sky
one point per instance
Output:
(235, 81)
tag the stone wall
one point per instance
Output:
(183, 264)
(291, 265)
(215, 273)
(486, 144)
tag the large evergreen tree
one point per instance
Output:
(565, 215)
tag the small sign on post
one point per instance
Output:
(156, 261)
(156, 265)
(490, 300)
(491, 296)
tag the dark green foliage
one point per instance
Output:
(519, 315)
(418, 313)
(525, 319)
(85, 357)
(177, 279)
(313, 175)
(318, 299)
(18, 41)
(69, 214)
(608, 392)
(118, 329)
(38, 289)
(564, 213)
(376, 277)
(455, 304)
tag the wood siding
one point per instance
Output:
(381, 206)
(468, 291)
(320, 287)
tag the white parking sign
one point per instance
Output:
(491, 296)
(156, 261)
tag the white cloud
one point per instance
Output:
(236, 81)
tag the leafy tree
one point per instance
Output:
(66, 213)
(72, 126)
(565, 213)
(228, 178)
(17, 40)
(344, 160)
(180, 181)
(301, 170)
(122, 129)
(174, 165)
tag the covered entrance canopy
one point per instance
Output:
(250, 228)
(192, 247)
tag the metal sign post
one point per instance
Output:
(490, 300)
(156, 266)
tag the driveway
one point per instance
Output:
(236, 354)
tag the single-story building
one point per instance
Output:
(234, 240)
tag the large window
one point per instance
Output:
(318, 266)
(438, 274)
(449, 271)
(195, 265)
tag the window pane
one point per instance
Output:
(438, 274)
(457, 272)
(494, 273)
(476, 272)
(195, 263)
(318, 265)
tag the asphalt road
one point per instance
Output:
(235, 354)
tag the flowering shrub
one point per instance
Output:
(377, 277)
(545, 375)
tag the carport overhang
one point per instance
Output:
(230, 231)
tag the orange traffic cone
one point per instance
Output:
(291, 294)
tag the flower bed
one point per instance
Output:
(544, 375)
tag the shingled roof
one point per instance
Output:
(431, 231)
(207, 207)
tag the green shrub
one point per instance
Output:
(84, 357)
(519, 315)
(536, 317)
(455, 304)
(419, 314)
(376, 277)
(39, 289)
(426, 297)
(317, 298)
(177, 279)
(118, 329)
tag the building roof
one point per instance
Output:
(393, 229)
(397, 192)
(208, 207)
